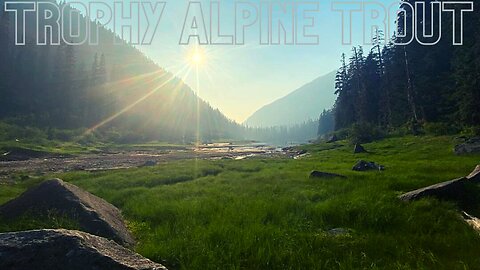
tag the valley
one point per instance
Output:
(133, 156)
(124, 157)
(266, 213)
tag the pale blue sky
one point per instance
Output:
(238, 80)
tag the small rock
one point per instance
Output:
(363, 165)
(318, 174)
(339, 232)
(471, 146)
(359, 149)
(461, 138)
(332, 139)
(78, 167)
(149, 163)
(302, 152)
(65, 249)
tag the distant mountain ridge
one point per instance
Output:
(111, 88)
(303, 104)
(111, 92)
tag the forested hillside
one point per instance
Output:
(109, 91)
(413, 86)
(108, 87)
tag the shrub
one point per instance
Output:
(471, 131)
(365, 133)
(440, 128)
(342, 134)
(13, 132)
(88, 139)
(62, 134)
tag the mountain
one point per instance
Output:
(303, 104)
(104, 88)
(112, 93)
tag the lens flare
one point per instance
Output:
(196, 57)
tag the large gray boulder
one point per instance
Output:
(471, 146)
(93, 214)
(450, 190)
(64, 249)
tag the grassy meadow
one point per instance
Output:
(268, 214)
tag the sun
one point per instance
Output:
(196, 57)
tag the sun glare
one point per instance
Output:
(196, 57)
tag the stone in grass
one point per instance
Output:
(325, 175)
(64, 249)
(363, 165)
(332, 139)
(450, 190)
(471, 146)
(340, 232)
(93, 214)
(359, 149)
(149, 163)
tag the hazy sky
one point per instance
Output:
(238, 80)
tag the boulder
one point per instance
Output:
(450, 190)
(471, 146)
(318, 174)
(64, 249)
(93, 214)
(363, 165)
(359, 149)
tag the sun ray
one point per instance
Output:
(127, 108)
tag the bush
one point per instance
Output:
(471, 131)
(62, 134)
(365, 133)
(440, 129)
(341, 134)
(87, 139)
(9, 132)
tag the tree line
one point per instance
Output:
(392, 86)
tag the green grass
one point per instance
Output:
(267, 214)
(30, 221)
